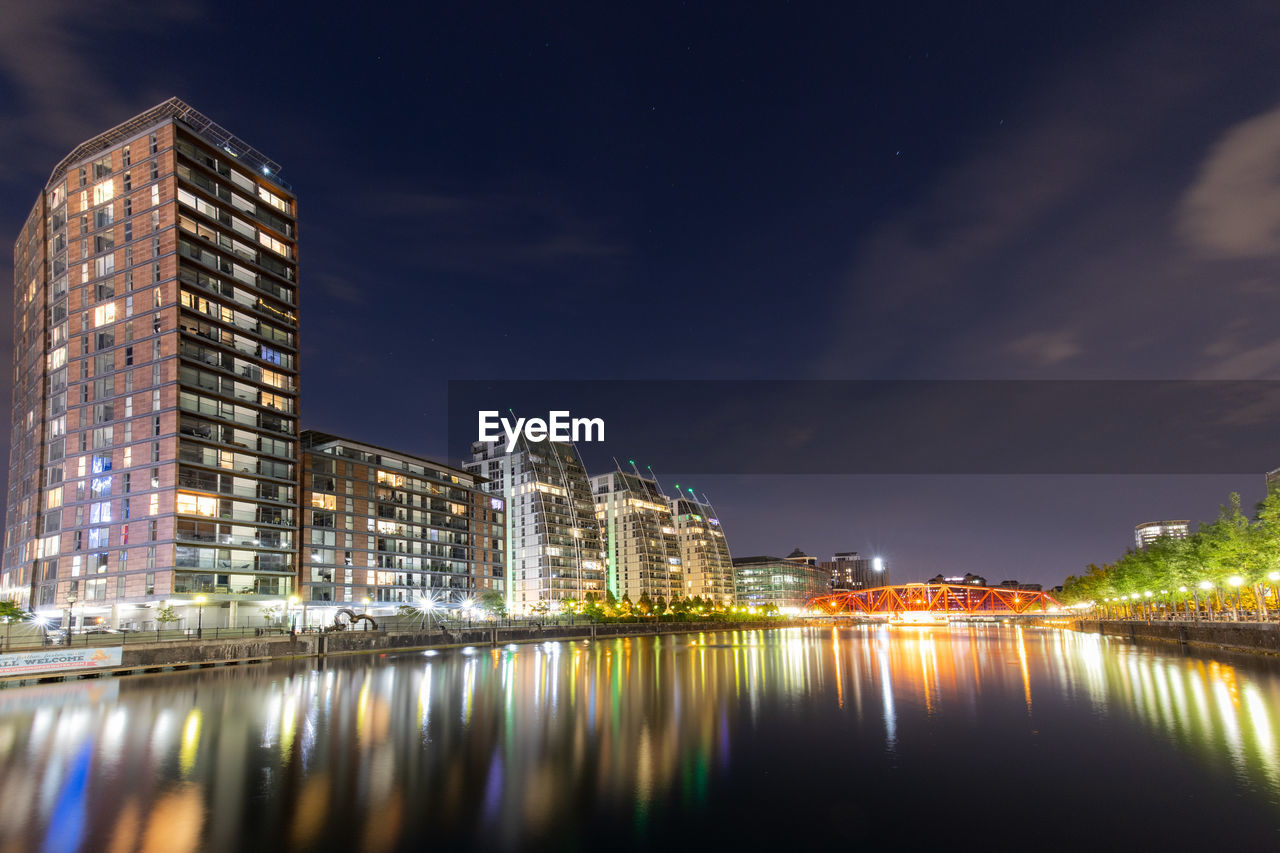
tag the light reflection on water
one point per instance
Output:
(648, 737)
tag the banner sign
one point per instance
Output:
(60, 660)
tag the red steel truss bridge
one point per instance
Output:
(956, 598)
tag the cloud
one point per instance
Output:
(1046, 348)
(1053, 246)
(491, 232)
(51, 60)
(1233, 208)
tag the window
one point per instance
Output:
(154, 506)
(272, 199)
(104, 191)
(189, 504)
(104, 314)
(320, 501)
(104, 265)
(277, 246)
(100, 513)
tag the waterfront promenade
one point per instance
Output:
(143, 655)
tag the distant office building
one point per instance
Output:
(642, 548)
(704, 550)
(849, 570)
(1273, 479)
(553, 539)
(154, 442)
(786, 582)
(966, 578)
(389, 528)
(1029, 587)
(1149, 531)
(798, 556)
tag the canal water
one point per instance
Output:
(868, 738)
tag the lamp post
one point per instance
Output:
(1274, 577)
(290, 603)
(200, 600)
(1183, 589)
(71, 612)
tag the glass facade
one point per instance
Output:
(642, 548)
(704, 550)
(554, 551)
(386, 528)
(779, 581)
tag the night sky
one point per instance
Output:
(750, 191)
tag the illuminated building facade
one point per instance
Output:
(154, 434)
(784, 582)
(1149, 531)
(849, 570)
(384, 528)
(642, 548)
(704, 550)
(553, 539)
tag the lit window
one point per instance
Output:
(324, 501)
(189, 504)
(273, 199)
(104, 191)
(155, 505)
(54, 498)
(58, 358)
(104, 314)
(386, 478)
(277, 246)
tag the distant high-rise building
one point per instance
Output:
(553, 538)
(642, 548)
(1149, 531)
(390, 528)
(849, 570)
(704, 550)
(154, 435)
(1273, 479)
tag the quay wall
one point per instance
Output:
(143, 657)
(1248, 636)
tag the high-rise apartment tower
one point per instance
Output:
(154, 436)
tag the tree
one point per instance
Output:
(625, 606)
(165, 616)
(610, 603)
(10, 612)
(492, 602)
(659, 605)
(645, 604)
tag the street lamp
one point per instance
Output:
(200, 600)
(71, 614)
(1235, 582)
(290, 603)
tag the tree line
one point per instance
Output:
(1231, 563)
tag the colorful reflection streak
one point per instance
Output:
(647, 739)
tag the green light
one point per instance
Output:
(631, 461)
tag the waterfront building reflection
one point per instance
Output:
(495, 747)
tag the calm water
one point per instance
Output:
(798, 738)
